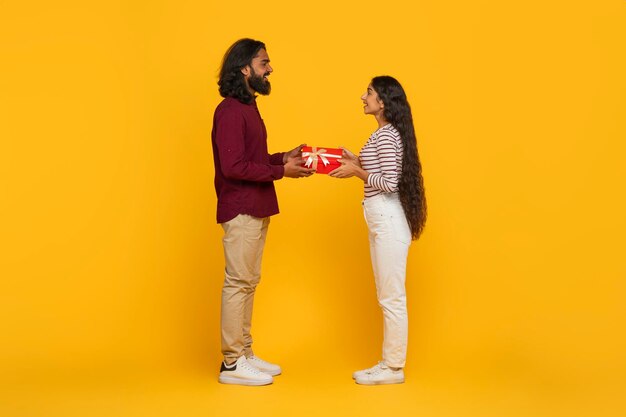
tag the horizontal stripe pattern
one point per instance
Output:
(381, 157)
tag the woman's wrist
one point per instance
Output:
(362, 174)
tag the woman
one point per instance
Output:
(395, 212)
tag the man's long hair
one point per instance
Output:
(232, 82)
(397, 111)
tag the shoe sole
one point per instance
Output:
(271, 373)
(239, 381)
(399, 381)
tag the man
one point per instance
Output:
(244, 180)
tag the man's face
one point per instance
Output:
(258, 71)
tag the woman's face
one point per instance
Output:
(373, 104)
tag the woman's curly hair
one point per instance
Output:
(397, 111)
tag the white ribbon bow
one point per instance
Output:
(316, 154)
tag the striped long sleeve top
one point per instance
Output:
(381, 156)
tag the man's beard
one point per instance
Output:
(258, 84)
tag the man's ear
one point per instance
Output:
(246, 70)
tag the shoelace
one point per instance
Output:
(374, 369)
(251, 368)
(255, 359)
(377, 370)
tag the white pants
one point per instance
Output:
(390, 237)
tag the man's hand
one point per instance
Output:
(295, 152)
(294, 169)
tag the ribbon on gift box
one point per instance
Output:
(315, 155)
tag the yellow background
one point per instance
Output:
(111, 262)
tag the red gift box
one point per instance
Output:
(323, 160)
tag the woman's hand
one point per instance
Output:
(346, 154)
(349, 168)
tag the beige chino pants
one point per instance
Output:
(244, 239)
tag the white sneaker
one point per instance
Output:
(365, 371)
(379, 375)
(242, 373)
(263, 366)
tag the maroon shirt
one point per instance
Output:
(244, 171)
